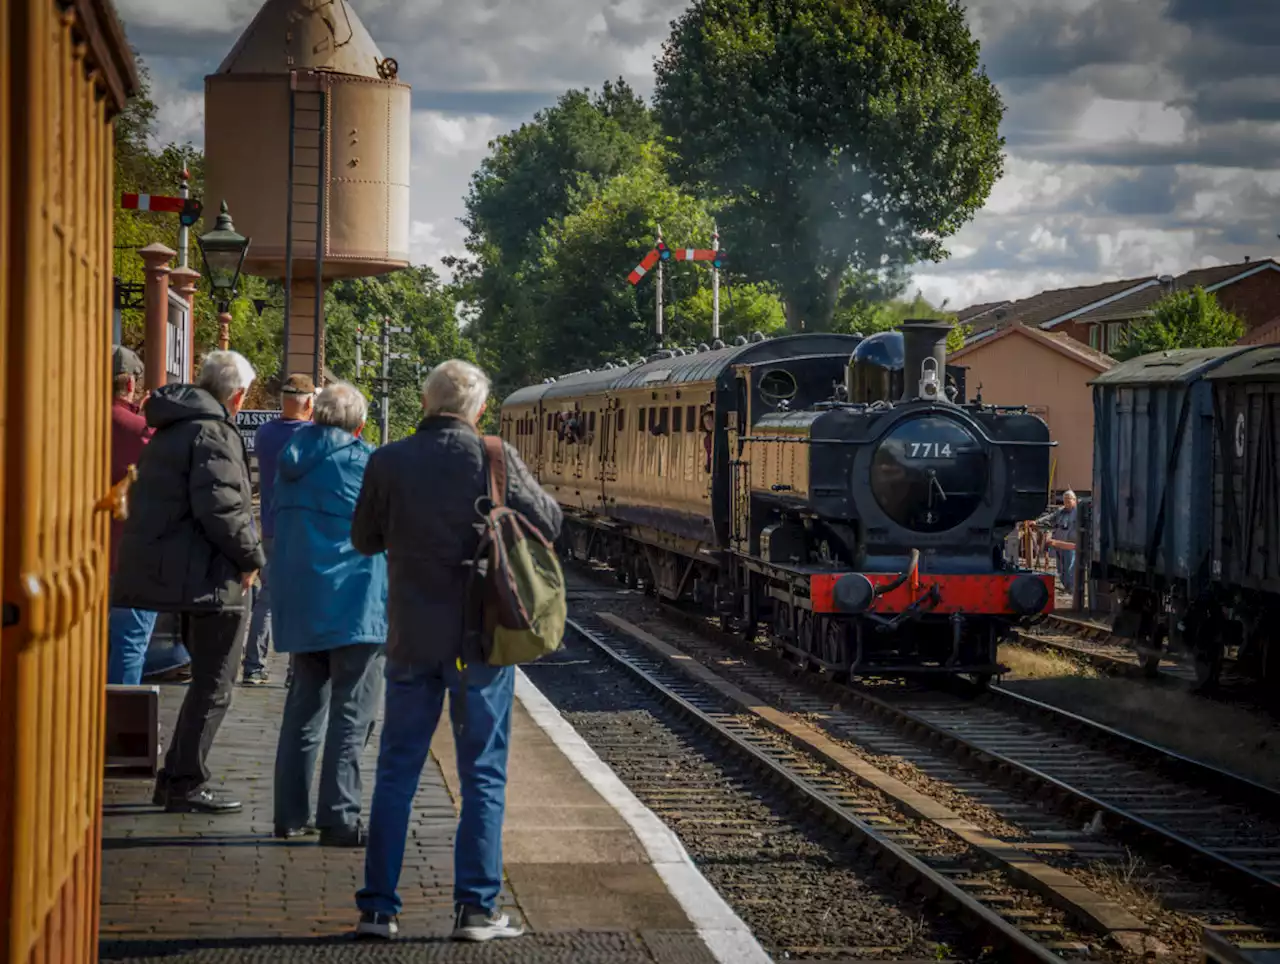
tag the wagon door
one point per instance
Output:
(56, 98)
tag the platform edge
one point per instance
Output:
(723, 932)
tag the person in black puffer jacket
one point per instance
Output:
(190, 546)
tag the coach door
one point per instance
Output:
(57, 95)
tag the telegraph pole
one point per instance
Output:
(658, 300)
(715, 285)
(388, 355)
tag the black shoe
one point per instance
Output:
(373, 924)
(350, 837)
(160, 795)
(202, 800)
(293, 833)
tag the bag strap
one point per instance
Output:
(497, 460)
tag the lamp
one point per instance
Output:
(223, 251)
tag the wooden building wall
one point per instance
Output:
(65, 70)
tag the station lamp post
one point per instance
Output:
(223, 251)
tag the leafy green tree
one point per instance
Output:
(413, 298)
(586, 313)
(744, 309)
(839, 133)
(532, 178)
(889, 315)
(1184, 319)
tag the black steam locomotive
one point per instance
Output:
(836, 490)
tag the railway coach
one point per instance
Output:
(832, 489)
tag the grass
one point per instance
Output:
(1233, 738)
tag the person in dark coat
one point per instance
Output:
(418, 505)
(190, 546)
(330, 615)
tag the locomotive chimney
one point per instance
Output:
(924, 359)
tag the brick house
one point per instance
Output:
(1248, 289)
(1050, 373)
(1102, 315)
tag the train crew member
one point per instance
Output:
(330, 615)
(190, 546)
(418, 505)
(1062, 539)
(297, 401)
(129, 630)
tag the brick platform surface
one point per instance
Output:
(198, 888)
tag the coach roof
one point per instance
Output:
(700, 366)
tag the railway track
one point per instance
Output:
(1109, 796)
(820, 866)
(1093, 644)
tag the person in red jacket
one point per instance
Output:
(129, 630)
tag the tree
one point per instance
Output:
(1184, 319)
(413, 298)
(839, 133)
(532, 178)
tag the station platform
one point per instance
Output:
(592, 873)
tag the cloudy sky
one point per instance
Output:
(1142, 134)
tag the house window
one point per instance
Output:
(1093, 337)
(1117, 335)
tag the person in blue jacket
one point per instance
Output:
(329, 611)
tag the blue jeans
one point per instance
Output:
(259, 640)
(1067, 568)
(128, 633)
(414, 700)
(334, 698)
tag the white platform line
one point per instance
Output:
(724, 933)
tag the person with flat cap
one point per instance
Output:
(129, 630)
(297, 405)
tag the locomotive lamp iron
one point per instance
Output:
(837, 491)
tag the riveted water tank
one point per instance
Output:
(310, 65)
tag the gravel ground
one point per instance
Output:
(803, 892)
(1161, 896)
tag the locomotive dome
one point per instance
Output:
(875, 368)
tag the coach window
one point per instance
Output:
(690, 419)
(591, 421)
(622, 419)
(640, 421)
(677, 425)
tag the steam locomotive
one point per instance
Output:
(836, 490)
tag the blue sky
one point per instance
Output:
(1142, 134)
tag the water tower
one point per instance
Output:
(307, 140)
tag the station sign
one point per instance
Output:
(248, 421)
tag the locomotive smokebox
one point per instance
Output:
(924, 351)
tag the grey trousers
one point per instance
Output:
(332, 701)
(215, 641)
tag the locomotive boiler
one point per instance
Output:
(836, 491)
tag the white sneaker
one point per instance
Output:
(479, 925)
(373, 924)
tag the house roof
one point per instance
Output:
(973, 312)
(1264, 334)
(1059, 342)
(1049, 308)
(1138, 303)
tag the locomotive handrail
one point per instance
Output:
(1006, 443)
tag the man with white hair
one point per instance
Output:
(1062, 538)
(190, 546)
(330, 616)
(418, 505)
